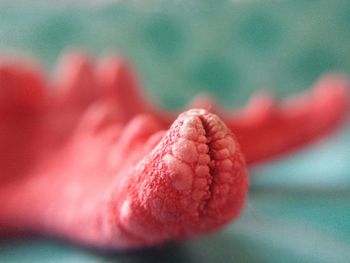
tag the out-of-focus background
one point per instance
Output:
(299, 207)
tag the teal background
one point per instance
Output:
(299, 206)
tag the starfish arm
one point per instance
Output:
(145, 188)
(22, 90)
(75, 85)
(193, 182)
(93, 162)
(23, 99)
(119, 83)
(64, 193)
(266, 129)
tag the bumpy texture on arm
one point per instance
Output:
(92, 161)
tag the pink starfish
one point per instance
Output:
(91, 161)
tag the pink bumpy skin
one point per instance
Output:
(193, 181)
(90, 160)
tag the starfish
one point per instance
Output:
(90, 160)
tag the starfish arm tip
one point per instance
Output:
(194, 181)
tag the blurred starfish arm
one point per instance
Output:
(266, 128)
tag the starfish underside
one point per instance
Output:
(90, 160)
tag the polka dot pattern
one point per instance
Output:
(226, 48)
